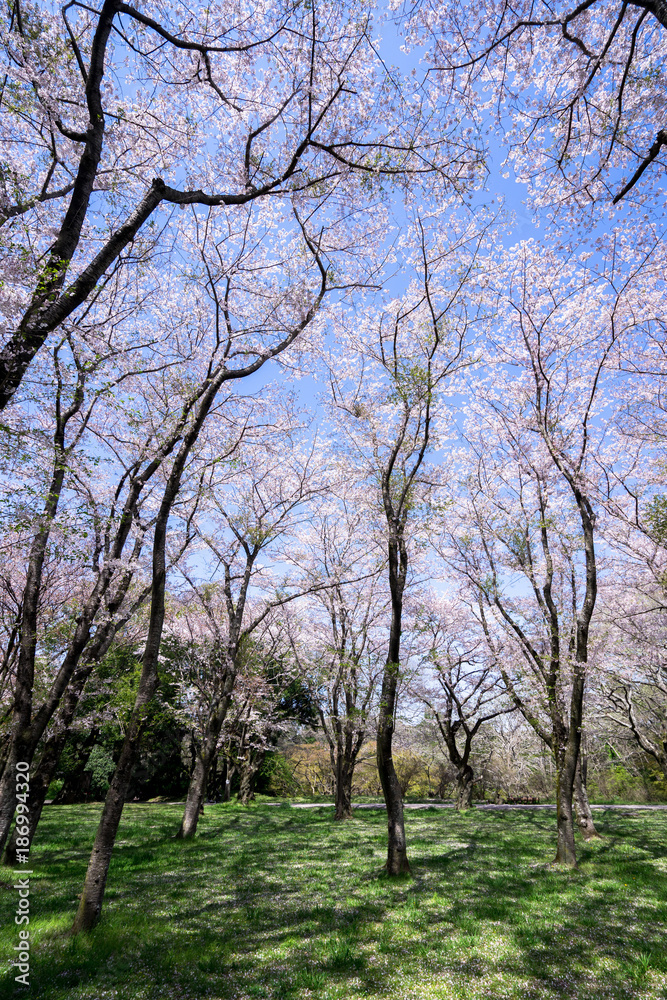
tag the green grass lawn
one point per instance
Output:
(272, 902)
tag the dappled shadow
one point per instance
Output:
(277, 904)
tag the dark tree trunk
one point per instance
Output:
(248, 776)
(39, 786)
(464, 785)
(565, 849)
(581, 804)
(397, 855)
(344, 774)
(194, 803)
(227, 777)
(90, 907)
(28, 730)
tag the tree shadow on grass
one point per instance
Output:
(272, 905)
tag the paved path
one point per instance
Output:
(450, 805)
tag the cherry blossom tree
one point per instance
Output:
(243, 329)
(396, 363)
(578, 84)
(115, 114)
(255, 512)
(532, 488)
(459, 682)
(338, 633)
(634, 681)
(83, 381)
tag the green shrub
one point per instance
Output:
(54, 788)
(101, 767)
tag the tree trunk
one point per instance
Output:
(27, 732)
(43, 776)
(344, 775)
(464, 784)
(581, 803)
(247, 789)
(194, 804)
(227, 777)
(397, 856)
(39, 786)
(565, 850)
(90, 907)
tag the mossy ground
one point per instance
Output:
(278, 903)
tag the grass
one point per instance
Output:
(283, 904)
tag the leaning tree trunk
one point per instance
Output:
(39, 785)
(464, 786)
(581, 804)
(194, 803)
(48, 762)
(90, 907)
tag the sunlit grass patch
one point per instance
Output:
(274, 903)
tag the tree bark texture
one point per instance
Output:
(565, 850)
(581, 804)
(397, 856)
(464, 785)
(248, 776)
(344, 774)
(194, 801)
(90, 907)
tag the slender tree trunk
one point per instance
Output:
(194, 803)
(227, 775)
(581, 803)
(567, 741)
(464, 785)
(90, 907)
(23, 742)
(39, 786)
(397, 854)
(194, 414)
(27, 731)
